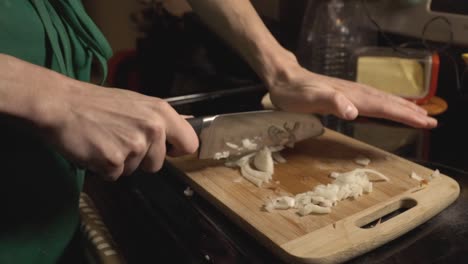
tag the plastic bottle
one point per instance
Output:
(331, 31)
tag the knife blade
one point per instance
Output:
(242, 133)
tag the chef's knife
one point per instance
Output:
(241, 133)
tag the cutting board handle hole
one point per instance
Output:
(386, 213)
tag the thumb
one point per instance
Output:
(345, 109)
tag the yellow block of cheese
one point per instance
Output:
(465, 58)
(399, 76)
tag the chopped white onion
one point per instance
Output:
(232, 145)
(351, 184)
(249, 144)
(255, 176)
(383, 177)
(435, 174)
(276, 148)
(280, 203)
(263, 161)
(313, 209)
(257, 181)
(361, 160)
(188, 192)
(278, 158)
(415, 176)
(221, 155)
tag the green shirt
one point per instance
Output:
(39, 189)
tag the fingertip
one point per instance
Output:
(189, 147)
(344, 107)
(350, 112)
(432, 122)
(425, 123)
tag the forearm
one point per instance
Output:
(237, 22)
(28, 92)
(291, 86)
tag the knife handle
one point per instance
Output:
(196, 123)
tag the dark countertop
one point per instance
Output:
(152, 220)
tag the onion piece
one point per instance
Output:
(415, 176)
(435, 174)
(238, 162)
(188, 192)
(221, 155)
(278, 157)
(275, 148)
(329, 191)
(249, 144)
(326, 203)
(280, 203)
(368, 188)
(263, 161)
(285, 202)
(312, 208)
(361, 160)
(246, 169)
(334, 174)
(232, 145)
(383, 177)
(255, 180)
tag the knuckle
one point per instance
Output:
(336, 97)
(114, 164)
(116, 159)
(162, 105)
(165, 105)
(138, 144)
(156, 129)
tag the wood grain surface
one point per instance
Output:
(330, 238)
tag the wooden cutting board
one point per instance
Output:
(334, 237)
